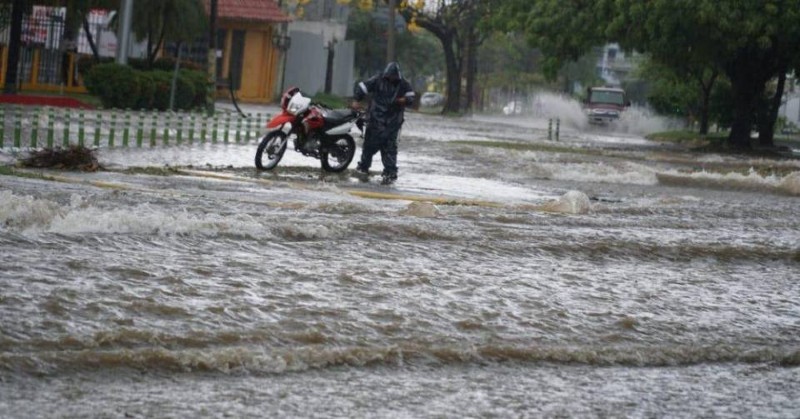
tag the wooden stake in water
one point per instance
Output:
(558, 127)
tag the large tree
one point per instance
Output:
(157, 21)
(750, 41)
(457, 24)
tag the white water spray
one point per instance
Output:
(635, 120)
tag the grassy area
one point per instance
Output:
(547, 148)
(83, 97)
(684, 137)
(717, 143)
(11, 171)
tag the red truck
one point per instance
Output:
(604, 104)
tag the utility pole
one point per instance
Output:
(390, 34)
(212, 58)
(124, 35)
(13, 47)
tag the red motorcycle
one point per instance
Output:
(316, 131)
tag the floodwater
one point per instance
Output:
(503, 275)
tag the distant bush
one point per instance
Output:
(120, 86)
(116, 85)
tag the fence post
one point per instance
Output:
(191, 127)
(51, 136)
(227, 126)
(97, 122)
(167, 124)
(112, 129)
(2, 127)
(18, 129)
(126, 130)
(215, 128)
(81, 131)
(238, 129)
(140, 129)
(65, 140)
(154, 121)
(179, 135)
(550, 129)
(203, 128)
(35, 128)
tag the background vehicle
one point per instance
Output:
(513, 108)
(430, 99)
(316, 131)
(604, 104)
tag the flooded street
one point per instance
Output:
(503, 275)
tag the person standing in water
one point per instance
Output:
(390, 94)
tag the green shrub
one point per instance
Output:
(147, 90)
(120, 86)
(163, 64)
(116, 85)
(162, 84)
(199, 81)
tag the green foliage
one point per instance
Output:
(418, 53)
(329, 100)
(120, 86)
(162, 64)
(115, 85)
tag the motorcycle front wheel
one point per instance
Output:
(338, 154)
(272, 146)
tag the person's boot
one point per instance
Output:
(361, 172)
(388, 178)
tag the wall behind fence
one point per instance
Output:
(60, 127)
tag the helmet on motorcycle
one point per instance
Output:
(287, 96)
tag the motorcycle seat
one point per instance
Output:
(338, 116)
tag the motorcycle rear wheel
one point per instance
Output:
(274, 145)
(337, 155)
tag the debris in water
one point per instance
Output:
(74, 157)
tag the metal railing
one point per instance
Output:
(37, 127)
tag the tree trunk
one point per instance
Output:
(471, 70)
(90, 39)
(707, 88)
(14, 46)
(742, 122)
(747, 89)
(766, 126)
(453, 100)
